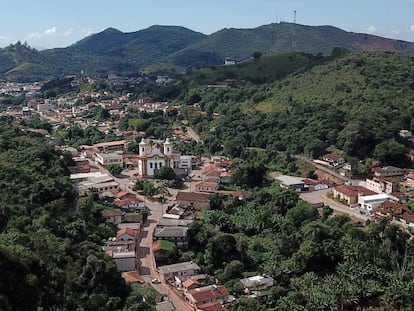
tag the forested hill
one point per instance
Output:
(50, 254)
(174, 48)
(357, 102)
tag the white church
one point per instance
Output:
(152, 158)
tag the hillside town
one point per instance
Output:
(149, 225)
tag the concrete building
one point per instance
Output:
(109, 158)
(291, 182)
(183, 270)
(370, 203)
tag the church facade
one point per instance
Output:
(152, 158)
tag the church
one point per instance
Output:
(152, 158)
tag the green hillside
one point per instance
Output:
(177, 49)
(357, 102)
(239, 44)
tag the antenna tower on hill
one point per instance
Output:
(294, 32)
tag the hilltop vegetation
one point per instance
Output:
(357, 102)
(175, 49)
(50, 254)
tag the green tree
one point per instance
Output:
(165, 173)
(114, 169)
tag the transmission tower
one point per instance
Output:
(294, 32)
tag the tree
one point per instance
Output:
(115, 169)
(165, 173)
(256, 55)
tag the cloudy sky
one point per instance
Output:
(59, 23)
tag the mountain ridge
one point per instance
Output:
(177, 48)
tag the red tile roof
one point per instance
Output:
(112, 213)
(190, 282)
(193, 196)
(128, 201)
(209, 293)
(127, 230)
(354, 191)
(123, 193)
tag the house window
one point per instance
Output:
(156, 165)
(151, 165)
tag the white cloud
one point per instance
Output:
(371, 29)
(411, 29)
(47, 33)
(395, 32)
(68, 32)
(50, 31)
(86, 31)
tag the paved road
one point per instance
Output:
(193, 134)
(321, 196)
(147, 267)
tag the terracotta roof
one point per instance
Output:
(122, 193)
(208, 293)
(331, 157)
(110, 253)
(225, 174)
(212, 306)
(390, 207)
(127, 230)
(127, 201)
(354, 191)
(310, 182)
(193, 196)
(190, 282)
(112, 213)
(409, 218)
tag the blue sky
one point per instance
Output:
(59, 23)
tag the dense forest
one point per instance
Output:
(319, 261)
(50, 254)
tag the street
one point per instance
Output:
(321, 196)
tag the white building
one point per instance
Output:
(109, 158)
(370, 203)
(153, 158)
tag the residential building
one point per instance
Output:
(190, 284)
(130, 204)
(194, 200)
(380, 185)
(207, 186)
(388, 171)
(110, 146)
(126, 234)
(334, 160)
(109, 158)
(177, 235)
(350, 194)
(125, 261)
(183, 270)
(257, 283)
(113, 216)
(207, 294)
(85, 182)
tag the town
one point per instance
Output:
(152, 192)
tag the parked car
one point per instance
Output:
(155, 281)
